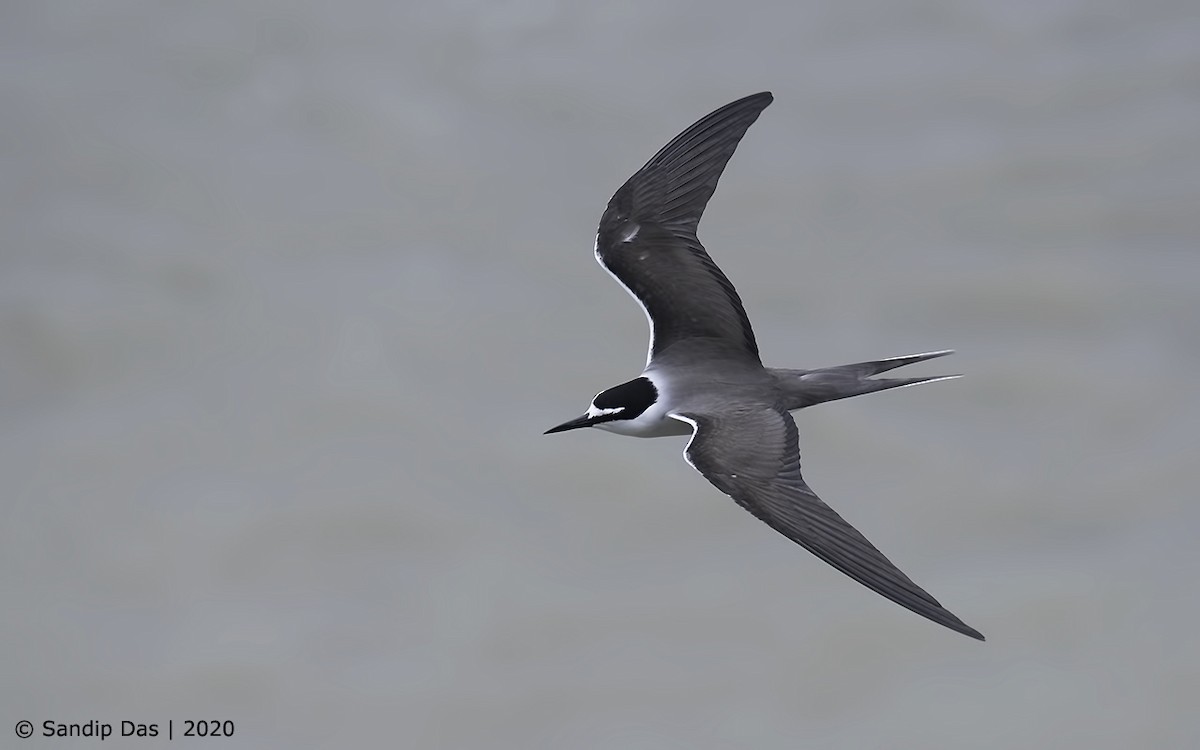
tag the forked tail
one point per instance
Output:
(809, 387)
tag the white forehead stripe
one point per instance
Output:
(594, 412)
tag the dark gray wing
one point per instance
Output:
(753, 455)
(647, 236)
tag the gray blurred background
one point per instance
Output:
(289, 291)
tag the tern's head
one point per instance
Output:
(619, 403)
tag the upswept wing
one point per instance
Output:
(647, 237)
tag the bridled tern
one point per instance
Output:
(703, 375)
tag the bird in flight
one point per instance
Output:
(703, 374)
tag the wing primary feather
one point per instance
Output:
(675, 185)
